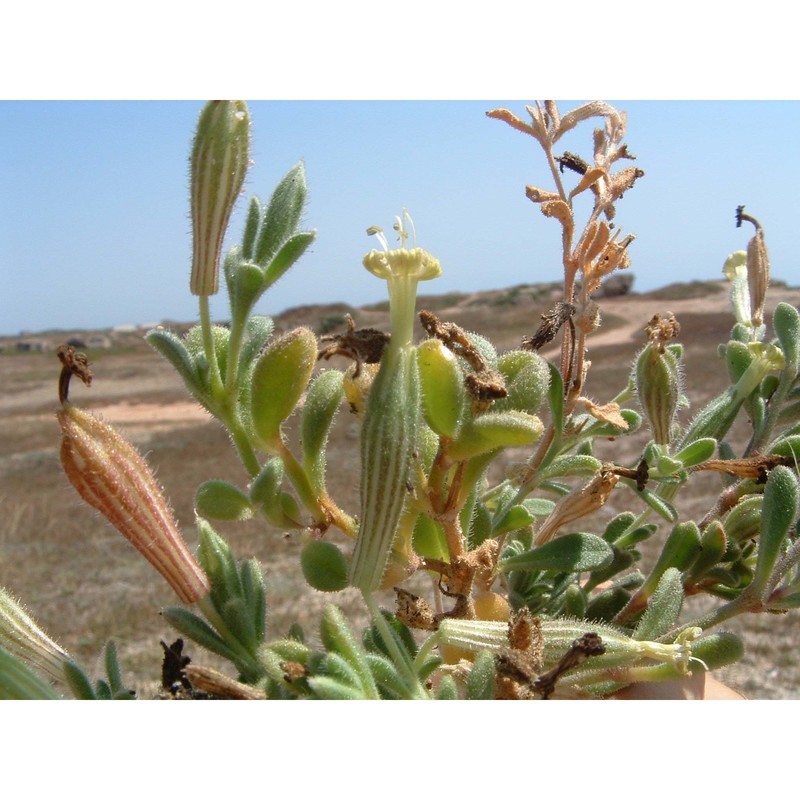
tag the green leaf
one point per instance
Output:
(324, 566)
(715, 651)
(788, 447)
(663, 609)
(79, 684)
(621, 561)
(327, 688)
(280, 377)
(374, 641)
(387, 677)
(255, 212)
(322, 402)
(245, 285)
(337, 637)
(680, 550)
(713, 544)
(632, 538)
(266, 488)
(217, 499)
(282, 215)
(429, 539)
(743, 521)
(571, 465)
(19, 682)
(492, 431)
(444, 398)
(617, 526)
(786, 321)
(605, 606)
(448, 690)
(172, 348)
(113, 671)
(785, 603)
(695, 453)
(575, 601)
(197, 630)
(539, 506)
(257, 331)
(574, 552)
(777, 516)
(255, 595)
(287, 256)
(217, 560)
(481, 680)
(240, 621)
(516, 517)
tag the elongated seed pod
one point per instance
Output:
(388, 439)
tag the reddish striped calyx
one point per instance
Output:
(113, 477)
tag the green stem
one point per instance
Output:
(234, 348)
(415, 688)
(217, 391)
(297, 475)
(242, 443)
(762, 436)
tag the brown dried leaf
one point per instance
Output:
(560, 210)
(537, 195)
(610, 412)
(594, 108)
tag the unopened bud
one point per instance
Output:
(218, 166)
(111, 476)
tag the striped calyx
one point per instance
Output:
(111, 476)
(219, 161)
(388, 439)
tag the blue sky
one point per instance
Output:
(94, 206)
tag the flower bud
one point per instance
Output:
(219, 163)
(111, 476)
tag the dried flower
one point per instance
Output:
(577, 504)
(757, 267)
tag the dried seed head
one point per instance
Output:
(757, 275)
(658, 379)
(111, 476)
